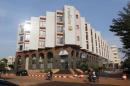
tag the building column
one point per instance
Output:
(30, 62)
(113, 66)
(45, 61)
(26, 63)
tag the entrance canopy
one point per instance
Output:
(63, 52)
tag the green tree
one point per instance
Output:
(3, 62)
(121, 27)
(126, 63)
(83, 66)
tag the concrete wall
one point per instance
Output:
(70, 33)
(50, 29)
(34, 34)
(83, 34)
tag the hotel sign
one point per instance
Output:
(70, 25)
(70, 28)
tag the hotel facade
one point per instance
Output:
(59, 40)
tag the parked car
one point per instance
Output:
(6, 83)
(22, 72)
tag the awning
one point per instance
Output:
(63, 52)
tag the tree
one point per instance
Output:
(3, 64)
(126, 63)
(83, 66)
(4, 60)
(121, 27)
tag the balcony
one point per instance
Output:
(26, 40)
(60, 20)
(21, 33)
(41, 37)
(20, 42)
(59, 13)
(42, 18)
(43, 28)
(60, 31)
(41, 44)
(27, 31)
(60, 41)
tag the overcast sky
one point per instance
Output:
(99, 13)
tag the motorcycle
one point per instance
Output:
(48, 77)
(92, 78)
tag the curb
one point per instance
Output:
(59, 76)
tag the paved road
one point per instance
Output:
(39, 81)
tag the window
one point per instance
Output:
(41, 43)
(27, 37)
(86, 27)
(115, 53)
(59, 28)
(96, 42)
(72, 53)
(91, 32)
(77, 38)
(19, 61)
(86, 35)
(96, 50)
(60, 40)
(77, 16)
(59, 19)
(77, 54)
(33, 60)
(95, 36)
(21, 29)
(42, 33)
(87, 45)
(41, 59)
(42, 23)
(21, 38)
(21, 47)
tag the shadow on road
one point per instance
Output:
(59, 83)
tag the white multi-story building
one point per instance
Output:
(10, 60)
(115, 60)
(61, 39)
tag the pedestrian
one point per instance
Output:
(90, 70)
(51, 74)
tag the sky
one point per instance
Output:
(99, 13)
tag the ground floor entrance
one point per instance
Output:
(64, 62)
(63, 58)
